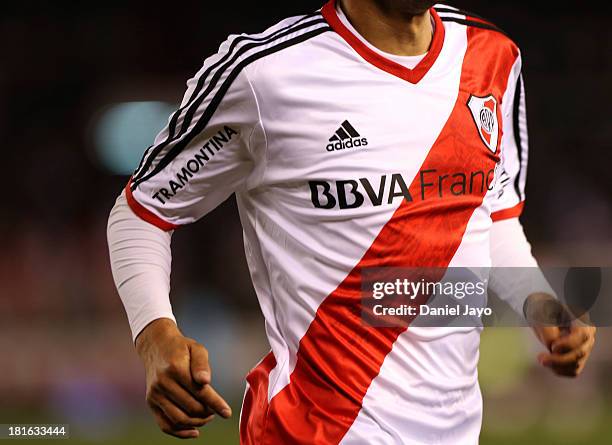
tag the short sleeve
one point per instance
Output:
(205, 153)
(510, 190)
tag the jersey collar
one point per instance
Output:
(411, 75)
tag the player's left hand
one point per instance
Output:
(569, 348)
(569, 342)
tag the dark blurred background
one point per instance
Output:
(84, 88)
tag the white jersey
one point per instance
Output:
(342, 159)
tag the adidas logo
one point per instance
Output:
(346, 137)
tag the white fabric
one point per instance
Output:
(140, 260)
(515, 274)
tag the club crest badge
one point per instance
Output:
(484, 112)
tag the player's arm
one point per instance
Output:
(178, 376)
(524, 287)
(208, 151)
(517, 279)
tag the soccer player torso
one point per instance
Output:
(352, 161)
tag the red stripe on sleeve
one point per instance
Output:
(512, 212)
(144, 213)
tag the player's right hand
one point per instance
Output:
(178, 380)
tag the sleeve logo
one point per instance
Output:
(484, 112)
(192, 165)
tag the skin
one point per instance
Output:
(401, 27)
(179, 387)
(569, 341)
(178, 380)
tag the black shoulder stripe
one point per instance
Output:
(243, 49)
(201, 81)
(175, 116)
(194, 105)
(517, 134)
(474, 23)
(239, 39)
(145, 155)
(218, 97)
(462, 12)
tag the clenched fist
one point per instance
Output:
(178, 379)
(569, 340)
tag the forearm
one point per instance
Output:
(515, 274)
(140, 258)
